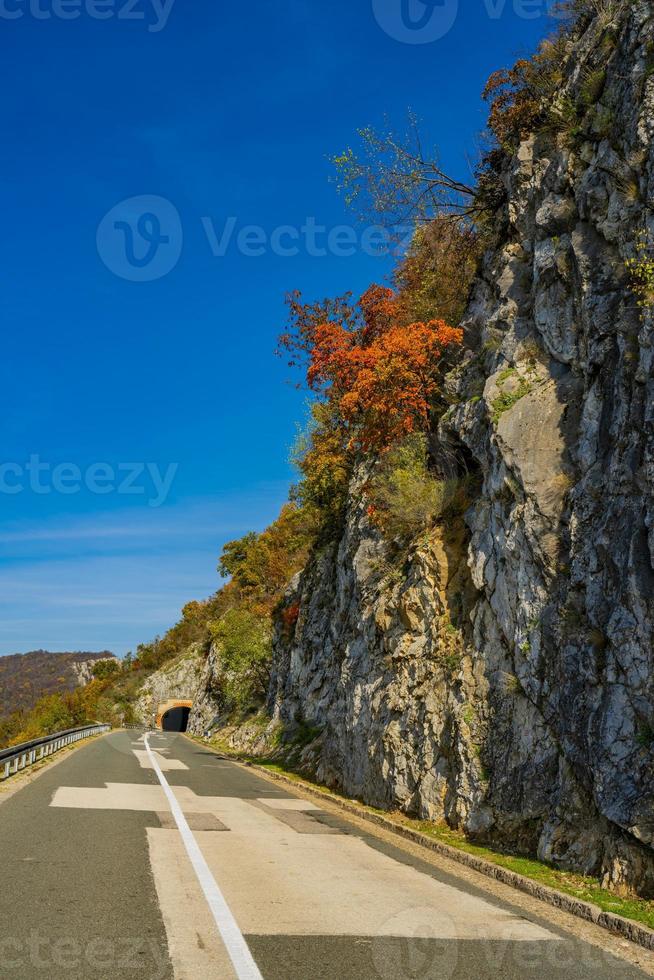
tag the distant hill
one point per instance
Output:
(24, 678)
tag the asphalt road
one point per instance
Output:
(105, 875)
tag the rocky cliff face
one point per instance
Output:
(208, 703)
(501, 675)
(179, 678)
(82, 670)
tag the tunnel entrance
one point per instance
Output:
(176, 720)
(173, 715)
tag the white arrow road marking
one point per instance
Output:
(239, 953)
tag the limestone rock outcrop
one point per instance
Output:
(178, 679)
(502, 676)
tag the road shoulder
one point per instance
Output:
(9, 787)
(450, 860)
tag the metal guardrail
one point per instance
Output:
(21, 756)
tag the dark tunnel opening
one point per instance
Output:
(176, 720)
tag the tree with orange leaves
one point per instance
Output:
(394, 387)
(381, 375)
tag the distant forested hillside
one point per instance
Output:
(24, 678)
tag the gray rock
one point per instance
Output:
(531, 721)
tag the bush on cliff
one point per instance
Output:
(244, 641)
(260, 565)
(405, 498)
(378, 377)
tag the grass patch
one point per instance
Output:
(510, 394)
(580, 887)
(507, 373)
(592, 86)
(507, 399)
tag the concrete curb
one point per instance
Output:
(635, 933)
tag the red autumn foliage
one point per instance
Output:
(290, 616)
(380, 373)
(379, 308)
(297, 342)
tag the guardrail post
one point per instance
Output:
(22, 756)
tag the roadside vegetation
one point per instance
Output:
(375, 368)
(641, 274)
(406, 499)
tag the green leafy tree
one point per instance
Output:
(106, 668)
(245, 644)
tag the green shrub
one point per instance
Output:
(603, 122)
(304, 734)
(592, 86)
(492, 345)
(405, 497)
(641, 274)
(245, 645)
(563, 117)
(106, 668)
(507, 399)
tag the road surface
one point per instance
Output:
(155, 858)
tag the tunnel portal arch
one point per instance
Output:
(172, 716)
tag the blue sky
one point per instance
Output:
(227, 110)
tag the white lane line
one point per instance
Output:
(235, 944)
